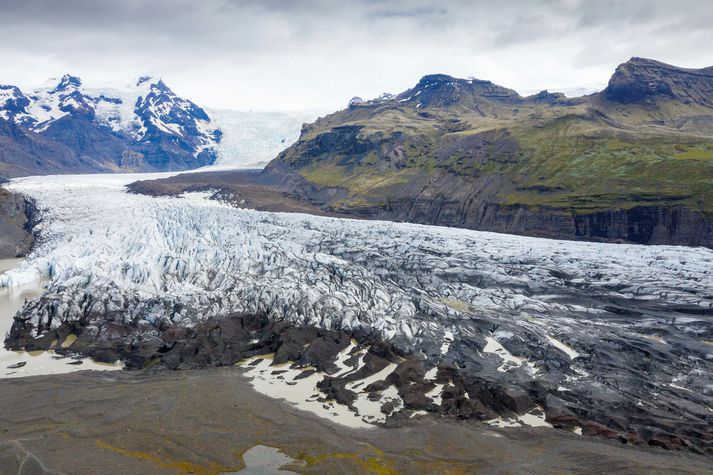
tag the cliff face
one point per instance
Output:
(646, 80)
(455, 202)
(648, 225)
(16, 221)
(631, 163)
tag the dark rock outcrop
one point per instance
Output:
(647, 225)
(441, 90)
(642, 79)
(98, 148)
(17, 218)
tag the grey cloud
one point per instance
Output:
(414, 13)
(273, 54)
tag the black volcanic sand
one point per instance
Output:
(203, 421)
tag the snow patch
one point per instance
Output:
(290, 384)
(251, 139)
(564, 348)
(510, 361)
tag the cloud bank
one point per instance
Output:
(316, 54)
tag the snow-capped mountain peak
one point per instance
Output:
(144, 111)
(68, 82)
(54, 101)
(12, 102)
(71, 99)
(162, 111)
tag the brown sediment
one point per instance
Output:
(202, 421)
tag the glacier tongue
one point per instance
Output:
(189, 258)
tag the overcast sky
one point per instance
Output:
(317, 54)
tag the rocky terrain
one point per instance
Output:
(631, 163)
(17, 218)
(610, 340)
(247, 188)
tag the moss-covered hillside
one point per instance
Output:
(645, 141)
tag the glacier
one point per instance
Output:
(595, 324)
(400, 279)
(253, 138)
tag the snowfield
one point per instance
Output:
(588, 318)
(253, 138)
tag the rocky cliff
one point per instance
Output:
(17, 216)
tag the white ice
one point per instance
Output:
(209, 258)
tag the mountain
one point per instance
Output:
(645, 80)
(68, 128)
(23, 152)
(633, 162)
(12, 102)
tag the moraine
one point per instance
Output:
(579, 331)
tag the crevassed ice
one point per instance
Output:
(189, 258)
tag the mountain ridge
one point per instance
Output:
(146, 127)
(641, 78)
(630, 162)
